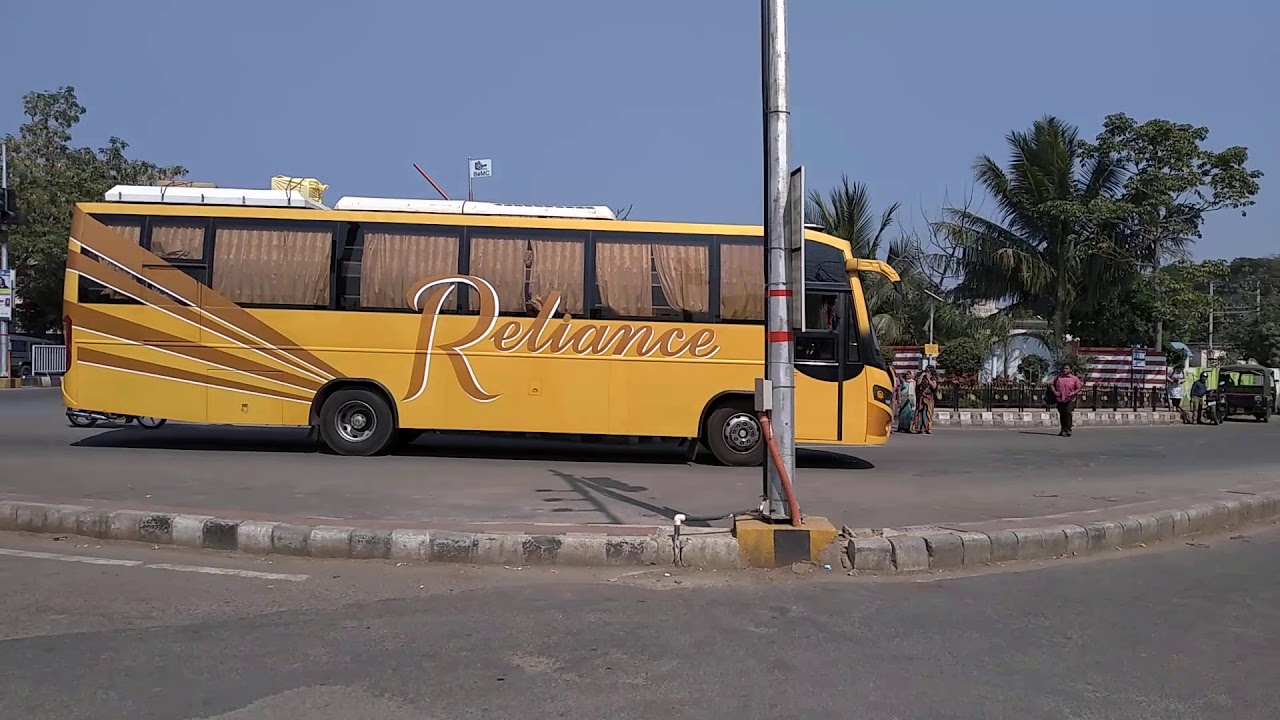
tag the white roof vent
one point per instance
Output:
(469, 207)
(211, 196)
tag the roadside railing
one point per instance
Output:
(48, 359)
(988, 396)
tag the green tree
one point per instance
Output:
(1171, 182)
(1262, 342)
(1033, 368)
(1044, 254)
(51, 176)
(847, 213)
(963, 358)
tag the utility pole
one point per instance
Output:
(1211, 316)
(779, 343)
(4, 256)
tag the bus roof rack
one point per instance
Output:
(472, 207)
(176, 195)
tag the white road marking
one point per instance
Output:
(69, 558)
(153, 566)
(230, 571)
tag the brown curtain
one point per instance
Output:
(625, 276)
(272, 266)
(131, 230)
(502, 261)
(557, 265)
(682, 272)
(178, 241)
(393, 264)
(742, 282)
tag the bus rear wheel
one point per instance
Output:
(357, 422)
(734, 436)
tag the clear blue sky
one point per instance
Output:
(655, 104)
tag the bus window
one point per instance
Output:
(395, 259)
(824, 264)
(742, 280)
(648, 275)
(526, 266)
(178, 239)
(266, 263)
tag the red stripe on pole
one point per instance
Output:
(779, 292)
(779, 336)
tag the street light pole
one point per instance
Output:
(4, 262)
(779, 343)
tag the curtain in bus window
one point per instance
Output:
(270, 266)
(742, 282)
(131, 230)
(682, 272)
(557, 265)
(393, 264)
(625, 277)
(178, 240)
(502, 261)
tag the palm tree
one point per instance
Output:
(1046, 253)
(846, 213)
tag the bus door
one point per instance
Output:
(826, 355)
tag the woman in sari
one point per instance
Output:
(906, 402)
(926, 392)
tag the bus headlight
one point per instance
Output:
(881, 394)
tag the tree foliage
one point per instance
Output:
(1262, 341)
(1033, 368)
(963, 358)
(50, 176)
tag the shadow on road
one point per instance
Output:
(200, 438)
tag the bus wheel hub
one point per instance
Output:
(742, 432)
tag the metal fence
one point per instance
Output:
(1029, 397)
(48, 359)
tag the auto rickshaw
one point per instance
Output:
(1247, 390)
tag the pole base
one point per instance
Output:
(764, 544)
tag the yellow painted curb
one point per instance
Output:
(769, 545)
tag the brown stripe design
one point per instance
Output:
(106, 242)
(97, 356)
(97, 321)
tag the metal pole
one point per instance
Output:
(1210, 316)
(4, 264)
(779, 346)
(470, 195)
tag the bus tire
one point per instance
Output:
(734, 437)
(357, 422)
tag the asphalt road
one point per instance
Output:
(1182, 634)
(952, 476)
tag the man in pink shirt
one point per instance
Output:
(1066, 386)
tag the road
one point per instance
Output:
(952, 476)
(1182, 634)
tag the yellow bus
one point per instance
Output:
(378, 319)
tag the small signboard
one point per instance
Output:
(6, 295)
(1139, 358)
(931, 350)
(481, 168)
(794, 220)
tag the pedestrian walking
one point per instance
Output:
(1066, 386)
(907, 402)
(1176, 379)
(926, 395)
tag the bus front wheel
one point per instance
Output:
(356, 422)
(734, 436)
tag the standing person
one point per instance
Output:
(1199, 389)
(907, 402)
(1176, 379)
(926, 394)
(1066, 386)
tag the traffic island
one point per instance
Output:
(908, 550)
(771, 545)
(709, 549)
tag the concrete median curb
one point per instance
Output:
(710, 551)
(1049, 418)
(952, 549)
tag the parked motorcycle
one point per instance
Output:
(89, 418)
(1215, 408)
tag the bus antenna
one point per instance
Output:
(428, 179)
